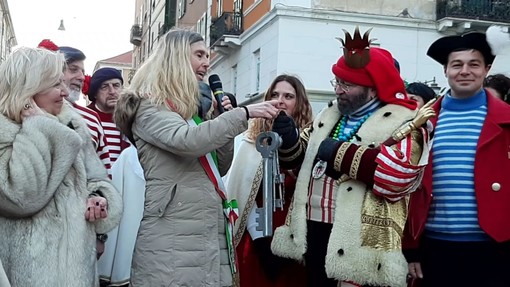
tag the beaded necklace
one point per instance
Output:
(339, 133)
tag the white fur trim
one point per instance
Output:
(498, 38)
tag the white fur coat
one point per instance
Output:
(48, 168)
(358, 263)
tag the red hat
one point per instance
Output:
(372, 67)
(48, 45)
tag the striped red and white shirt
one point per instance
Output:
(114, 139)
(97, 132)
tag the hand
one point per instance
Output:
(327, 149)
(286, 128)
(415, 270)
(31, 109)
(226, 103)
(97, 208)
(266, 110)
(424, 114)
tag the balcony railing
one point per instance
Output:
(486, 10)
(136, 35)
(229, 23)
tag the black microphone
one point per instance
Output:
(217, 89)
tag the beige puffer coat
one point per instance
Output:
(181, 240)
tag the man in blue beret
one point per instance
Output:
(105, 87)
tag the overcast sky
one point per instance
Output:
(100, 28)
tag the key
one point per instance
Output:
(267, 143)
(279, 180)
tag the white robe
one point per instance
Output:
(4, 282)
(128, 178)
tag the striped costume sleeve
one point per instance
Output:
(399, 170)
(393, 170)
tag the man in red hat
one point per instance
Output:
(358, 166)
(459, 222)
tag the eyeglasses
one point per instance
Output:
(344, 86)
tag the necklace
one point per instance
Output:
(339, 133)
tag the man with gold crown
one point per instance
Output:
(360, 160)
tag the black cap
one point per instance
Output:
(422, 90)
(441, 48)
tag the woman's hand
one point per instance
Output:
(31, 109)
(97, 208)
(266, 110)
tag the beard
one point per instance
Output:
(74, 95)
(354, 102)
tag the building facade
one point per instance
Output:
(7, 36)
(253, 41)
(153, 18)
(299, 37)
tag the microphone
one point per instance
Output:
(217, 89)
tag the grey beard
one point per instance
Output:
(73, 96)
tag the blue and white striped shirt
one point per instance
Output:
(355, 117)
(453, 214)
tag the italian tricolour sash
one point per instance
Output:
(210, 164)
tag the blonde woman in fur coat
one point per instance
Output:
(55, 194)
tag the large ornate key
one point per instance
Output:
(267, 143)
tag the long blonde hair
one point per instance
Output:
(302, 112)
(167, 75)
(25, 73)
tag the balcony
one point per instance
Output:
(226, 29)
(471, 14)
(136, 35)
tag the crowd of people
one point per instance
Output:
(389, 185)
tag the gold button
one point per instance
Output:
(496, 186)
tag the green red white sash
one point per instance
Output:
(230, 209)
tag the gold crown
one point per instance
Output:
(356, 48)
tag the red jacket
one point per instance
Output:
(492, 178)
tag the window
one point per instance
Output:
(256, 60)
(202, 25)
(220, 8)
(182, 8)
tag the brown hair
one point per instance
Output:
(302, 113)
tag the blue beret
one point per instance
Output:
(72, 54)
(100, 76)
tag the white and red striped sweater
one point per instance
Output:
(97, 132)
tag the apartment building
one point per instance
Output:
(154, 18)
(255, 40)
(7, 36)
(252, 41)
